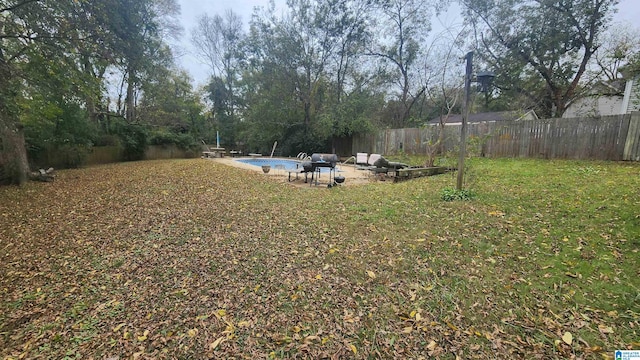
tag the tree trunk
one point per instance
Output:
(90, 99)
(14, 166)
(307, 118)
(130, 101)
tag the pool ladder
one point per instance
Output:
(346, 161)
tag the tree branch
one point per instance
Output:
(16, 6)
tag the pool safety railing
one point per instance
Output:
(346, 161)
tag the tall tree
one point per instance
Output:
(140, 28)
(541, 49)
(26, 26)
(405, 25)
(53, 57)
(351, 33)
(444, 83)
(218, 41)
(299, 49)
(168, 100)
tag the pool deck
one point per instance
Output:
(352, 175)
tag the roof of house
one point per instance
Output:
(487, 117)
(604, 88)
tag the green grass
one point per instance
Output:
(216, 262)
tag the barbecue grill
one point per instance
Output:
(319, 161)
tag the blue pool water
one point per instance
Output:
(288, 164)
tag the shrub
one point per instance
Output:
(162, 138)
(69, 156)
(134, 139)
(107, 140)
(181, 140)
(451, 194)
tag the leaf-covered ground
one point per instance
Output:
(193, 259)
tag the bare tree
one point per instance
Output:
(444, 81)
(404, 25)
(218, 41)
(619, 45)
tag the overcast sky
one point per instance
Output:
(628, 12)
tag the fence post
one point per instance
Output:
(465, 116)
(632, 143)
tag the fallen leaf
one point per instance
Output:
(311, 338)
(192, 332)
(371, 274)
(605, 329)
(432, 345)
(567, 338)
(243, 323)
(118, 327)
(353, 348)
(143, 337)
(215, 344)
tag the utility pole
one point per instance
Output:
(465, 117)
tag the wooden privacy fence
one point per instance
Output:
(615, 137)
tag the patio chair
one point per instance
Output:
(372, 159)
(362, 161)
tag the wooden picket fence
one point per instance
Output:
(615, 137)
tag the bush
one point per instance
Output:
(107, 140)
(68, 156)
(181, 140)
(57, 134)
(451, 194)
(134, 139)
(162, 138)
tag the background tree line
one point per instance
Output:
(76, 74)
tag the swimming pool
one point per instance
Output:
(288, 164)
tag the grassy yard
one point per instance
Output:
(191, 259)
